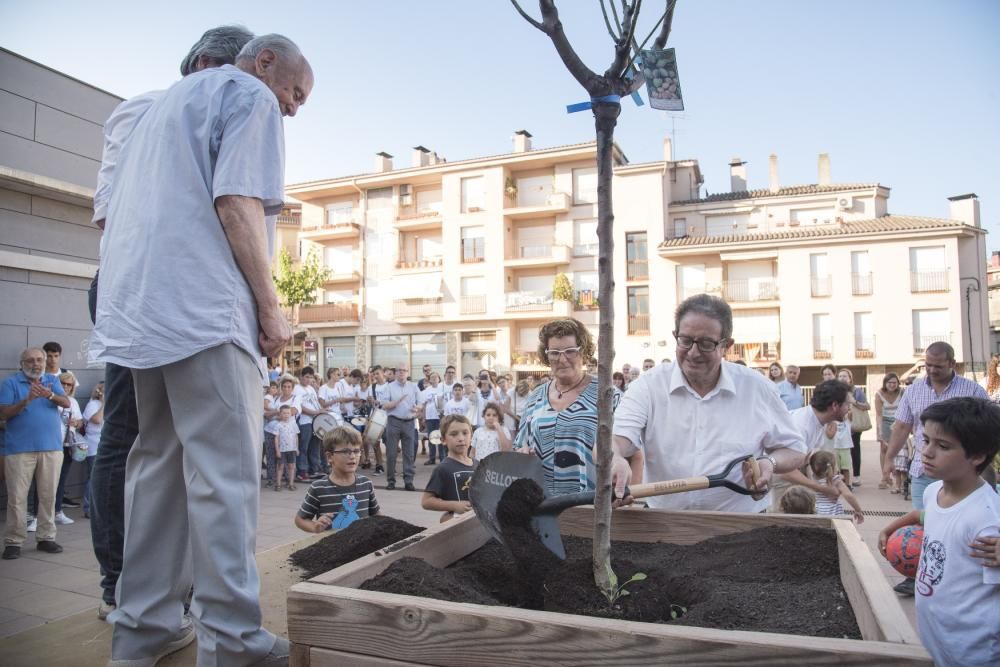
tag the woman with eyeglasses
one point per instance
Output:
(72, 420)
(559, 422)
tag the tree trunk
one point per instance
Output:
(606, 118)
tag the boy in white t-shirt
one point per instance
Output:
(458, 404)
(433, 399)
(957, 596)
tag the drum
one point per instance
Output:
(323, 424)
(377, 421)
(435, 437)
(359, 422)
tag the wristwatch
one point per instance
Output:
(774, 464)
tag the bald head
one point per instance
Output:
(280, 65)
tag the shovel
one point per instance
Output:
(499, 470)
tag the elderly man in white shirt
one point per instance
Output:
(194, 181)
(692, 417)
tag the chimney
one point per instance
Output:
(737, 175)
(668, 150)
(772, 173)
(383, 162)
(522, 141)
(965, 208)
(995, 260)
(421, 156)
(824, 169)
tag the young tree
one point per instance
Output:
(298, 287)
(605, 91)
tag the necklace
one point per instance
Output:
(560, 392)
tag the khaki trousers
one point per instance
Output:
(19, 469)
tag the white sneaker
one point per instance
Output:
(184, 637)
(32, 524)
(104, 609)
(62, 519)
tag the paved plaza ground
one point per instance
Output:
(42, 588)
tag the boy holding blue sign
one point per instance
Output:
(337, 500)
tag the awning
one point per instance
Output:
(417, 286)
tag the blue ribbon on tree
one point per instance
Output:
(613, 99)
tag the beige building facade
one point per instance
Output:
(454, 263)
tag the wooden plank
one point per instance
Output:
(876, 607)
(323, 657)
(299, 655)
(440, 545)
(423, 630)
(646, 525)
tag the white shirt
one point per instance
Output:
(429, 398)
(328, 393)
(65, 417)
(406, 396)
(453, 407)
(684, 435)
(810, 428)
(275, 402)
(381, 393)
(92, 431)
(348, 390)
(957, 597)
(170, 286)
(307, 399)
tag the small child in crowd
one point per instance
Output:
(957, 590)
(798, 500)
(286, 446)
(822, 466)
(492, 436)
(448, 489)
(901, 467)
(342, 496)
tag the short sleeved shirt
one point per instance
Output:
(37, 428)
(325, 497)
(450, 480)
(170, 286)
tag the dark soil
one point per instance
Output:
(359, 539)
(775, 579)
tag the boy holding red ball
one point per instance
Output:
(957, 584)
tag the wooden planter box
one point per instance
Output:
(331, 622)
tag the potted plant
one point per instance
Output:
(510, 189)
(562, 289)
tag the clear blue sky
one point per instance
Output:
(905, 93)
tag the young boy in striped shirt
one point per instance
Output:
(341, 497)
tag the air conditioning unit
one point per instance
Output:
(844, 204)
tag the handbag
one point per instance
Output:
(861, 421)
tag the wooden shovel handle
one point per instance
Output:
(669, 486)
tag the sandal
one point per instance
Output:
(883, 485)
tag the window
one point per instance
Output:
(690, 280)
(750, 281)
(864, 336)
(585, 237)
(473, 244)
(638, 310)
(636, 267)
(479, 336)
(585, 286)
(819, 274)
(726, 225)
(473, 295)
(339, 258)
(930, 326)
(429, 201)
(428, 349)
(389, 351)
(822, 336)
(429, 247)
(340, 352)
(338, 296)
(680, 228)
(339, 212)
(861, 273)
(585, 185)
(473, 194)
(534, 190)
(928, 272)
(527, 339)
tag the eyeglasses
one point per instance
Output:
(66, 384)
(704, 344)
(348, 452)
(571, 353)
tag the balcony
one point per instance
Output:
(416, 308)
(864, 347)
(409, 218)
(761, 352)
(537, 302)
(538, 255)
(289, 220)
(558, 202)
(861, 284)
(638, 324)
(473, 305)
(823, 347)
(637, 269)
(586, 299)
(921, 343)
(414, 265)
(929, 281)
(821, 285)
(745, 291)
(473, 250)
(343, 313)
(330, 232)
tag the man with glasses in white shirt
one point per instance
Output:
(694, 416)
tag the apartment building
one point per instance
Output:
(454, 262)
(993, 291)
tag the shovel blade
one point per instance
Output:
(492, 477)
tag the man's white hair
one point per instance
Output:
(279, 44)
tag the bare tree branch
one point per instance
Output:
(607, 21)
(527, 17)
(661, 39)
(623, 45)
(667, 15)
(614, 12)
(591, 82)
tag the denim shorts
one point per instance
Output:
(288, 457)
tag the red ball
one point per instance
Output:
(903, 550)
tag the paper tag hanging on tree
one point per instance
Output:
(663, 85)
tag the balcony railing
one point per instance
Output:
(861, 284)
(822, 347)
(822, 285)
(687, 292)
(416, 308)
(864, 347)
(412, 213)
(637, 269)
(928, 281)
(522, 302)
(292, 220)
(750, 290)
(329, 312)
(585, 249)
(751, 352)
(586, 299)
(473, 305)
(532, 251)
(473, 250)
(638, 324)
(414, 263)
(921, 343)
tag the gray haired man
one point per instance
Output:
(195, 180)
